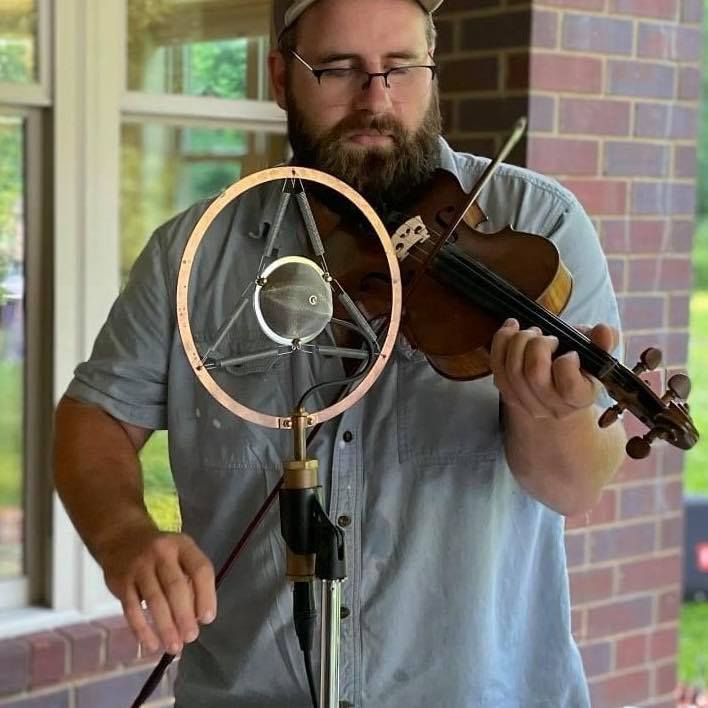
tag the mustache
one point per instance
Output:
(384, 124)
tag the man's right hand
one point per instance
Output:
(170, 575)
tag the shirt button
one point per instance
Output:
(347, 437)
(344, 612)
(344, 520)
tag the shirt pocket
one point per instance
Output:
(444, 422)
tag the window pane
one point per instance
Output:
(18, 41)
(12, 342)
(199, 47)
(164, 169)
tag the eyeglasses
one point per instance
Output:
(404, 82)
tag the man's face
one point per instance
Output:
(382, 141)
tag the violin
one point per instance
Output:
(460, 284)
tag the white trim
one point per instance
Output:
(263, 116)
(24, 94)
(44, 46)
(13, 593)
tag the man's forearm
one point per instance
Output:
(97, 474)
(563, 463)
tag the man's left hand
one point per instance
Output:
(529, 378)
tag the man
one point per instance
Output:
(457, 592)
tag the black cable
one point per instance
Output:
(310, 678)
(349, 379)
(305, 618)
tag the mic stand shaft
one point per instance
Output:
(315, 548)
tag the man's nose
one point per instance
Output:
(375, 97)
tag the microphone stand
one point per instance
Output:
(315, 549)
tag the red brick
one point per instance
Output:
(631, 651)
(590, 33)
(622, 542)
(577, 623)
(591, 585)
(496, 31)
(576, 4)
(673, 461)
(553, 72)
(469, 74)
(675, 273)
(669, 605)
(48, 658)
(541, 113)
(121, 645)
(111, 692)
(648, 235)
(599, 197)
(596, 658)
(640, 79)
(642, 312)
(618, 273)
(490, 114)
(614, 234)
(663, 9)
(692, 10)
(597, 117)
(666, 678)
(559, 156)
(638, 500)
(669, 43)
(650, 574)
(663, 198)
(681, 235)
(86, 647)
(14, 666)
(670, 495)
(517, 70)
(635, 470)
(620, 690)
(663, 643)
(685, 161)
(636, 159)
(54, 699)
(661, 120)
(689, 83)
(544, 29)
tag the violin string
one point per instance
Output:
(534, 312)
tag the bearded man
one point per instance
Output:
(451, 496)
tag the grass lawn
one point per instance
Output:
(693, 639)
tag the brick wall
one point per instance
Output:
(611, 90)
(93, 665)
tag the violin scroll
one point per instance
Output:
(666, 417)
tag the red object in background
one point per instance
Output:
(702, 557)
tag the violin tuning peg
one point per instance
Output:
(638, 448)
(680, 386)
(649, 360)
(610, 416)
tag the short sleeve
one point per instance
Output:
(127, 372)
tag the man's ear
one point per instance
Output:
(277, 71)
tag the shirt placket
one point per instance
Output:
(345, 511)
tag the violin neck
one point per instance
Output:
(492, 293)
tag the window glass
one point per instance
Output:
(164, 169)
(18, 41)
(199, 47)
(12, 343)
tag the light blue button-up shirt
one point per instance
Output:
(457, 585)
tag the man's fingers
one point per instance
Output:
(151, 591)
(179, 597)
(201, 573)
(135, 616)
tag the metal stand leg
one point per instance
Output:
(329, 643)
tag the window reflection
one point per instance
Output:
(199, 47)
(18, 41)
(12, 343)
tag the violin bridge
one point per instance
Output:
(409, 234)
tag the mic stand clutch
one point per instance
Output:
(315, 548)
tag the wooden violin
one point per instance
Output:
(460, 284)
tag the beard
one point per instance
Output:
(387, 177)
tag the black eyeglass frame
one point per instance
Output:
(319, 73)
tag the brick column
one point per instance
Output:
(611, 90)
